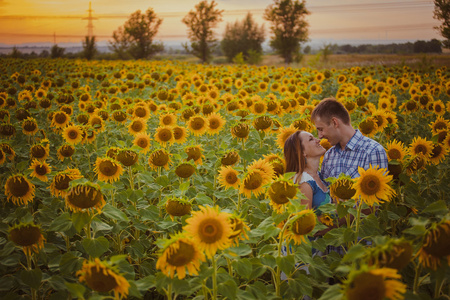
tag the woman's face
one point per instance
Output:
(311, 145)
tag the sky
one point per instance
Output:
(62, 21)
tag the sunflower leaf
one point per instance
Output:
(228, 289)
(32, 278)
(114, 213)
(76, 290)
(438, 207)
(95, 247)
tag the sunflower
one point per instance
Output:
(84, 197)
(326, 219)
(60, 182)
(284, 134)
(127, 157)
(230, 158)
(414, 164)
(167, 119)
(142, 140)
(395, 150)
(394, 254)
(28, 236)
(19, 190)
(215, 123)
(178, 207)
(72, 134)
(438, 154)
(39, 151)
(198, 125)
(40, 170)
(137, 125)
(159, 158)
(263, 166)
(29, 126)
(379, 283)
(108, 169)
(65, 151)
(141, 111)
(435, 245)
(240, 131)
(253, 183)
(228, 177)
(60, 119)
(180, 253)
(439, 124)
(185, 169)
(372, 185)
(210, 229)
(341, 188)
(164, 135)
(194, 153)
(278, 164)
(119, 116)
(280, 192)
(101, 276)
(300, 225)
(239, 229)
(368, 126)
(263, 123)
(8, 130)
(439, 108)
(325, 143)
(2, 157)
(421, 147)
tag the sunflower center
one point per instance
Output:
(210, 231)
(30, 126)
(394, 154)
(367, 286)
(304, 224)
(18, 187)
(182, 256)
(214, 124)
(84, 197)
(25, 236)
(160, 158)
(60, 118)
(100, 281)
(137, 126)
(41, 169)
(73, 134)
(165, 135)
(143, 143)
(108, 168)
(198, 123)
(177, 133)
(38, 151)
(67, 151)
(370, 185)
(254, 181)
(231, 178)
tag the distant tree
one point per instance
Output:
(244, 37)
(15, 53)
(442, 13)
(57, 51)
(289, 27)
(135, 37)
(307, 49)
(89, 48)
(433, 46)
(200, 23)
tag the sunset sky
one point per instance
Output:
(61, 21)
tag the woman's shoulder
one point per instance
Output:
(306, 177)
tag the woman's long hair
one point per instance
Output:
(293, 154)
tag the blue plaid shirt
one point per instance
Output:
(360, 151)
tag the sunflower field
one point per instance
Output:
(166, 179)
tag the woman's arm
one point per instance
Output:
(306, 189)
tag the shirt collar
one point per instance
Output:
(352, 143)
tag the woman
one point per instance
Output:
(302, 152)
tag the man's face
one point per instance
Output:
(327, 130)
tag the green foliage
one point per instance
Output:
(289, 27)
(442, 13)
(89, 48)
(243, 37)
(56, 51)
(200, 23)
(135, 38)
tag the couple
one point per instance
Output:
(350, 150)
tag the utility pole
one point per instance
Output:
(90, 26)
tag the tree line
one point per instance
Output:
(242, 40)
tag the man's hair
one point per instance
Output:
(329, 108)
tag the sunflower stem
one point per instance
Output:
(358, 220)
(214, 278)
(130, 175)
(277, 278)
(169, 292)
(230, 267)
(416, 278)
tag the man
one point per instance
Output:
(350, 148)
